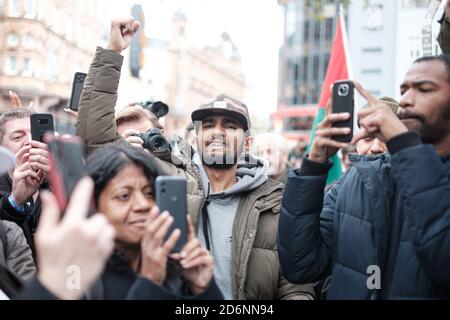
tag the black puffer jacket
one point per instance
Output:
(393, 213)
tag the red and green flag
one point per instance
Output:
(338, 69)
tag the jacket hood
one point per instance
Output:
(251, 174)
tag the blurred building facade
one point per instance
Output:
(44, 42)
(185, 76)
(308, 35)
(385, 38)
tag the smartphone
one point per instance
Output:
(171, 196)
(41, 123)
(67, 167)
(77, 88)
(344, 101)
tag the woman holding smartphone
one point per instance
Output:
(142, 266)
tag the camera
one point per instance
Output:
(158, 108)
(154, 141)
(343, 90)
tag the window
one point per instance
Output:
(28, 41)
(412, 4)
(11, 66)
(14, 8)
(372, 50)
(30, 8)
(27, 70)
(371, 71)
(53, 66)
(298, 124)
(13, 40)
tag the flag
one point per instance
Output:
(338, 69)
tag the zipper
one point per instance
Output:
(250, 236)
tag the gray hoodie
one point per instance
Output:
(222, 209)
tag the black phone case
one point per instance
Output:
(67, 167)
(77, 88)
(171, 197)
(41, 123)
(342, 104)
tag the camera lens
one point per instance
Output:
(343, 90)
(158, 144)
(43, 121)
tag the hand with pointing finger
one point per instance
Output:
(377, 121)
(74, 241)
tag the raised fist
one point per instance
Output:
(122, 31)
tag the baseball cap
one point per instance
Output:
(391, 103)
(224, 105)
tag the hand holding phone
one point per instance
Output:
(77, 89)
(67, 167)
(336, 129)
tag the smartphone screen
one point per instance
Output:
(67, 167)
(41, 123)
(171, 197)
(77, 88)
(344, 102)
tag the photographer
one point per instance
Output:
(383, 231)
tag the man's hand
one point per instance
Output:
(75, 244)
(25, 183)
(323, 146)
(196, 261)
(33, 166)
(16, 102)
(129, 136)
(122, 31)
(39, 157)
(71, 112)
(154, 250)
(377, 121)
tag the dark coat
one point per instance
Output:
(27, 220)
(120, 282)
(393, 213)
(15, 253)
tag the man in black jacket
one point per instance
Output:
(383, 231)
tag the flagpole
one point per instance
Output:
(345, 41)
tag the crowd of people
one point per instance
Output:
(262, 223)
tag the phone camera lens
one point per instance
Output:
(343, 90)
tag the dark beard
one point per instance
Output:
(223, 162)
(430, 133)
(219, 163)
